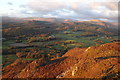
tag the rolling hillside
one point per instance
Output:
(92, 62)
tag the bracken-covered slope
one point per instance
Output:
(92, 62)
(96, 62)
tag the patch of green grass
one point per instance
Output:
(5, 44)
(29, 59)
(0, 59)
(0, 46)
(8, 59)
(9, 42)
(105, 40)
(58, 47)
(24, 41)
(116, 37)
(70, 46)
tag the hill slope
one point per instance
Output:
(96, 62)
(93, 62)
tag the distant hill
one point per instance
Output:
(44, 19)
(59, 20)
(12, 19)
(94, 21)
(102, 23)
(92, 62)
(15, 19)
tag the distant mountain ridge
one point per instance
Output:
(6, 18)
(56, 20)
(11, 19)
(44, 19)
(15, 19)
(102, 23)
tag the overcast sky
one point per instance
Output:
(68, 9)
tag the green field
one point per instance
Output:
(51, 40)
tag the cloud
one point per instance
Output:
(46, 6)
(75, 9)
(70, 9)
(22, 6)
(10, 3)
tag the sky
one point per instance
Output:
(106, 10)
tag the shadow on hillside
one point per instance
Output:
(55, 61)
(110, 76)
(101, 58)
